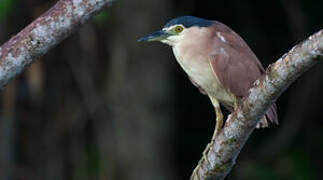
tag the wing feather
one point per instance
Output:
(237, 76)
(236, 66)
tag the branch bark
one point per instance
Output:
(48, 30)
(220, 155)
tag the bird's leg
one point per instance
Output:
(218, 125)
(219, 117)
(236, 104)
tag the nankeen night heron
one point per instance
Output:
(216, 59)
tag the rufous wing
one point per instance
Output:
(237, 75)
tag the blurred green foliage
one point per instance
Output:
(103, 17)
(294, 164)
(6, 8)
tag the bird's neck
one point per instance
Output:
(194, 44)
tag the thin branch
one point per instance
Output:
(44, 33)
(223, 152)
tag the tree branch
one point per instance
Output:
(44, 33)
(222, 153)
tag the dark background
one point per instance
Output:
(102, 106)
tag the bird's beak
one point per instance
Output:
(156, 36)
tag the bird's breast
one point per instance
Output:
(197, 67)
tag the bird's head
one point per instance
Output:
(178, 29)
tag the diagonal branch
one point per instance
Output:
(44, 33)
(222, 153)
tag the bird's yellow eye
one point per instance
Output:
(179, 29)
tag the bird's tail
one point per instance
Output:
(270, 117)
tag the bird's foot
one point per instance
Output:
(194, 174)
(206, 150)
(218, 126)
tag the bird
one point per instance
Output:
(217, 61)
